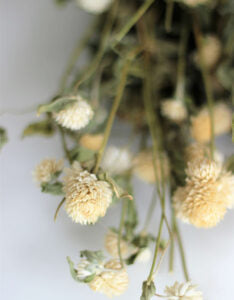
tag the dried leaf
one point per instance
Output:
(44, 128)
(94, 257)
(3, 137)
(52, 188)
(148, 290)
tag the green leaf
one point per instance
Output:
(95, 257)
(148, 290)
(89, 278)
(44, 128)
(229, 164)
(56, 105)
(3, 137)
(52, 188)
(73, 271)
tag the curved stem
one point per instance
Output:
(64, 143)
(150, 211)
(58, 209)
(169, 13)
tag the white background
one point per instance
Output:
(36, 40)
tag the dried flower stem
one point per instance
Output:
(150, 211)
(115, 107)
(80, 46)
(181, 248)
(64, 143)
(102, 48)
(172, 249)
(169, 13)
(133, 20)
(121, 225)
(58, 208)
(206, 79)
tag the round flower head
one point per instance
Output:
(143, 166)
(194, 2)
(200, 124)
(76, 116)
(94, 6)
(46, 169)
(111, 283)
(183, 291)
(174, 110)
(206, 196)
(91, 141)
(87, 198)
(144, 255)
(111, 245)
(211, 51)
(116, 160)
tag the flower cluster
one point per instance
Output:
(45, 171)
(183, 291)
(87, 198)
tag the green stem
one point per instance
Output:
(149, 279)
(172, 249)
(206, 79)
(81, 44)
(182, 254)
(58, 208)
(169, 13)
(150, 211)
(121, 225)
(133, 20)
(64, 144)
(112, 114)
(102, 48)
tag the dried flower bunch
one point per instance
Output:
(165, 69)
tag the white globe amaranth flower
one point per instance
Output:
(45, 170)
(183, 291)
(94, 6)
(76, 116)
(87, 198)
(174, 110)
(144, 255)
(116, 160)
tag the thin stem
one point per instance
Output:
(133, 20)
(169, 13)
(121, 225)
(172, 249)
(102, 48)
(180, 85)
(206, 79)
(81, 44)
(149, 279)
(58, 208)
(64, 144)
(112, 114)
(150, 211)
(181, 248)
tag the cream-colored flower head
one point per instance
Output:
(87, 198)
(76, 116)
(143, 166)
(85, 269)
(211, 51)
(200, 124)
(91, 141)
(208, 193)
(183, 291)
(94, 6)
(194, 2)
(111, 245)
(111, 283)
(46, 169)
(174, 110)
(144, 256)
(116, 160)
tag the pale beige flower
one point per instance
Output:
(143, 166)
(183, 291)
(201, 127)
(116, 160)
(111, 245)
(46, 169)
(144, 255)
(91, 141)
(174, 110)
(94, 6)
(211, 51)
(87, 198)
(113, 264)
(76, 116)
(111, 283)
(208, 193)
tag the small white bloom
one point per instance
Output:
(94, 6)
(183, 291)
(144, 256)
(174, 110)
(116, 160)
(46, 169)
(76, 116)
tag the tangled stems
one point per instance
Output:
(121, 225)
(206, 79)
